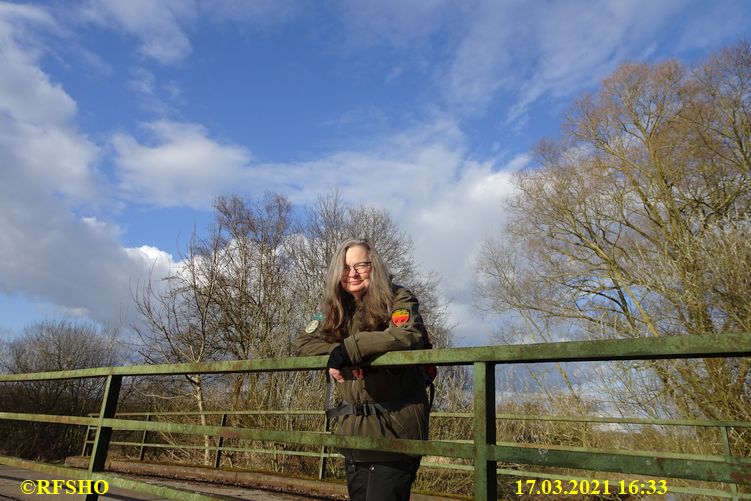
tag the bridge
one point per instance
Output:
(722, 475)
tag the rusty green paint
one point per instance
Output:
(300, 412)
(484, 431)
(144, 437)
(50, 418)
(726, 345)
(433, 448)
(104, 432)
(153, 445)
(219, 448)
(596, 419)
(658, 465)
(641, 453)
(468, 415)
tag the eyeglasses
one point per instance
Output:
(359, 268)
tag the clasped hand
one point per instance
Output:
(338, 359)
(337, 375)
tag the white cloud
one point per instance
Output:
(183, 168)
(25, 92)
(555, 50)
(163, 27)
(50, 254)
(154, 98)
(449, 227)
(480, 63)
(36, 114)
(48, 170)
(513, 50)
(565, 57)
(157, 24)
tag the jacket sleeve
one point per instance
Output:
(311, 343)
(405, 331)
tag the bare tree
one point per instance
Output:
(638, 223)
(54, 345)
(230, 299)
(255, 302)
(179, 321)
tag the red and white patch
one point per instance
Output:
(400, 317)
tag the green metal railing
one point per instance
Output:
(323, 455)
(483, 451)
(219, 448)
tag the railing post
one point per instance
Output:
(104, 433)
(485, 477)
(322, 462)
(729, 457)
(145, 435)
(86, 440)
(218, 453)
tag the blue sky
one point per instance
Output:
(121, 121)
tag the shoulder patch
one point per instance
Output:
(312, 326)
(400, 317)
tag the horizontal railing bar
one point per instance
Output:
(63, 472)
(219, 413)
(417, 447)
(467, 415)
(276, 436)
(225, 449)
(726, 345)
(712, 468)
(50, 418)
(720, 470)
(268, 435)
(615, 420)
(640, 453)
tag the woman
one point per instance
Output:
(364, 315)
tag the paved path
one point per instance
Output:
(11, 479)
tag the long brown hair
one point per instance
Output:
(339, 305)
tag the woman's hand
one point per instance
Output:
(337, 375)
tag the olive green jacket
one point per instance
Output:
(381, 384)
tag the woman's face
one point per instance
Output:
(356, 271)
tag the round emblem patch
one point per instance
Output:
(311, 327)
(400, 317)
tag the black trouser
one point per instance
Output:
(384, 481)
